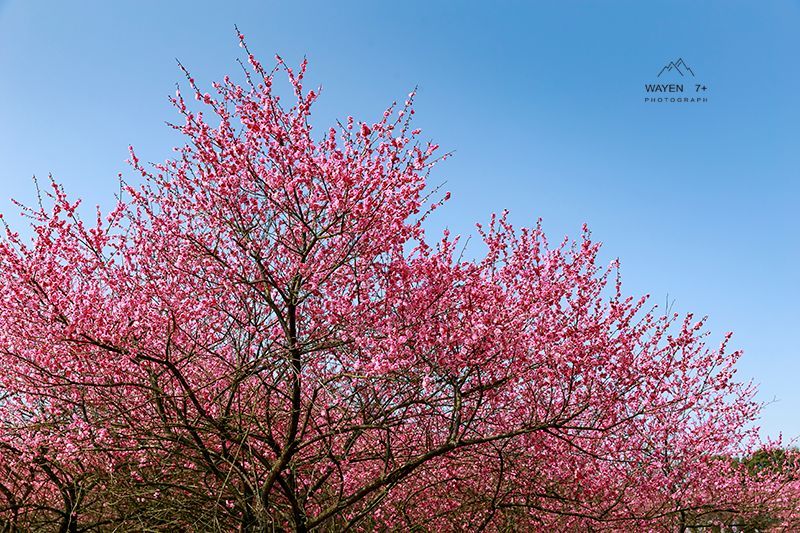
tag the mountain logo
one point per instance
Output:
(678, 66)
(674, 86)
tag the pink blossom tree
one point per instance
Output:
(261, 337)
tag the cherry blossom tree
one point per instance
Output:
(261, 336)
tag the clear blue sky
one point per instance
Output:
(542, 102)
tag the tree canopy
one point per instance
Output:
(261, 336)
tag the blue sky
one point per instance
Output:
(542, 103)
